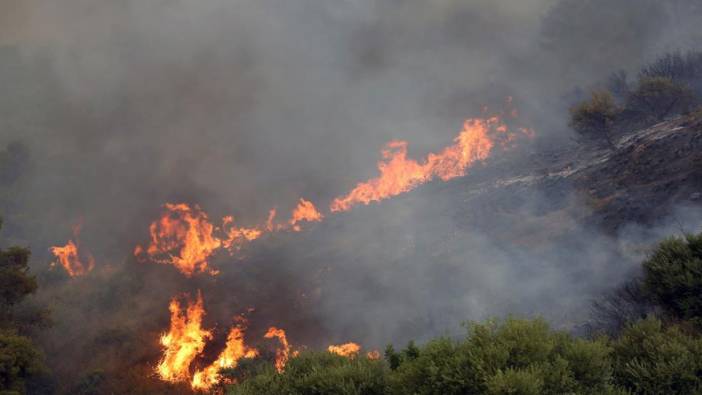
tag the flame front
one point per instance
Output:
(184, 341)
(282, 353)
(185, 238)
(345, 350)
(398, 174)
(69, 256)
(235, 350)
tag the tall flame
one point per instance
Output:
(184, 341)
(282, 354)
(234, 351)
(183, 237)
(398, 174)
(69, 256)
(345, 350)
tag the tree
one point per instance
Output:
(673, 277)
(615, 310)
(656, 98)
(20, 361)
(15, 281)
(594, 119)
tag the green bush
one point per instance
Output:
(652, 359)
(515, 357)
(442, 366)
(313, 373)
(673, 277)
(594, 119)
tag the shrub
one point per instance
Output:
(673, 277)
(678, 67)
(443, 366)
(656, 98)
(615, 310)
(515, 357)
(319, 373)
(652, 359)
(594, 119)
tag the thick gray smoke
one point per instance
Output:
(240, 106)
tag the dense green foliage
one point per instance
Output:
(512, 357)
(319, 373)
(650, 358)
(646, 356)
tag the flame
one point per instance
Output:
(345, 350)
(282, 354)
(398, 174)
(234, 351)
(236, 237)
(183, 237)
(184, 341)
(305, 211)
(69, 257)
(374, 355)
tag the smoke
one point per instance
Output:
(240, 106)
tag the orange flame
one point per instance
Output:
(184, 341)
(235, 350)
(182, 237)
(185, 238)
(282, 354)
(374, 355)
(398, 174)
(69, 256)
(345, 350)
(236, 237)
(305, 211)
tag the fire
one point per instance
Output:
(69, 257)
(305, 211)
(184, 341)
(398, 174)
(374, 355)
(345, 350)
(235, 350)
(183, 237)
(282, 354)
(236, 237)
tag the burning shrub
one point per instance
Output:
(594, 119)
